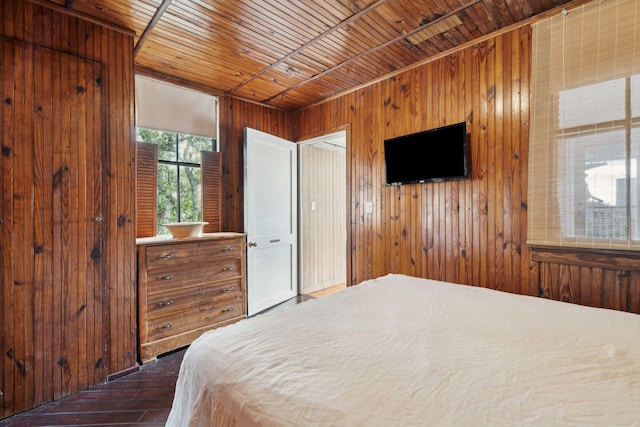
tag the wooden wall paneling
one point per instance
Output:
(17, 286)
(97, 323)
(583, 286)
(387, 254)
(74, 172)
(615, 288)
(347, 109)
(633, 302)
(72, 307)
(458, 114)
(481, 145)
(67, 213)
(466, 200)
(367, 189)
(505, 191)
(597, 287)
(120, 217)
(467, 231)
(489, 139)
(449, 114)
(371, 188)
(392, 118)
(87, 117)
(95, 238)
(592, 286)
(518, 157)
(574, 290)
(497, 136)
(24, 216)
(39, 90)
(473, 115)
(6, 330)
(602, 278)
(12, 208)
(521, 157)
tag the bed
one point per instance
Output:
(405, 351)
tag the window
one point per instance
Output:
(179, 180)
(593, 145)
(585, 128)
(178, 175)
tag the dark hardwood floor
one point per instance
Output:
(142, 398)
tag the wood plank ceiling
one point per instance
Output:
(290, 54)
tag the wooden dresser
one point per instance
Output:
(187, 286)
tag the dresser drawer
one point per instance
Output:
(191, 254)
(165, 281)
(191, 298)
(205, 315)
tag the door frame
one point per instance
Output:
(314, 137)
(302, 217)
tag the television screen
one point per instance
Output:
(431, 155)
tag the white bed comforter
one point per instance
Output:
(403, 351)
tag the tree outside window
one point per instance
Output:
(179, 191)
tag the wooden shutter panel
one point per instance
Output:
(146, 189)
(211, 168)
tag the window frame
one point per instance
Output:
(626, 124)
(176, 138)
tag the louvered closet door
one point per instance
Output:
(270, 220)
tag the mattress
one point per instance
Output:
(405, 351)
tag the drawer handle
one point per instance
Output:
(226, 310)
(167, 326)
(167, 256)
(167, 277)
(228, 268)
(166, 303)
(229, 289)
(228, 249)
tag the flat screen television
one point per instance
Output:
(429, 156)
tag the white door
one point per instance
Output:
(270, 219)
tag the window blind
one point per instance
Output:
(584, 148)
(167, 107)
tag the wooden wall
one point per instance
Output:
(472, 231)
(67, 249)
